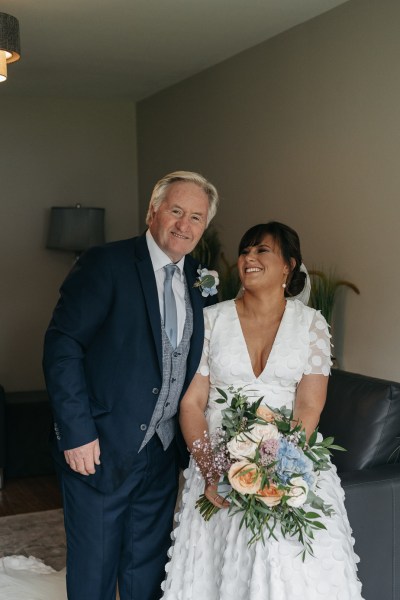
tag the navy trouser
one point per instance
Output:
(121, 536)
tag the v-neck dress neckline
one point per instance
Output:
(276, 339)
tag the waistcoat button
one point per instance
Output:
(155, 390)
(143, 427)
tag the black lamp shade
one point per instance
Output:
(75, 229)
(9, 37)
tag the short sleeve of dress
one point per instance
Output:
(204, 368)
(319, 354)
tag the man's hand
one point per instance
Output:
(84, 458)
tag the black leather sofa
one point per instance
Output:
(363, 414)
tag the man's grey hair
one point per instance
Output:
(161, 188)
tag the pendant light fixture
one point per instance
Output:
(9, 43)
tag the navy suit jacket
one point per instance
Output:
(103, 355)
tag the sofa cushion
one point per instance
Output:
(363, 414)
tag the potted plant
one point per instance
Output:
(324, 288)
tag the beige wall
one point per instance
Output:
(304, 128)
(54, 153)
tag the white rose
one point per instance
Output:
(242, 447)
(264, 432)
(297, 493)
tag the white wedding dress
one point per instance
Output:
(211, 560)
(24, 578)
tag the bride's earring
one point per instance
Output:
(284, 285)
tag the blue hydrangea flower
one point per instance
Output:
(291, 461)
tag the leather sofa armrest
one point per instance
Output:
(373, 507)
(363, 415)
(371, 477)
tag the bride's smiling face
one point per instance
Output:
(263, 265)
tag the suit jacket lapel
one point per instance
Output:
(148, 281)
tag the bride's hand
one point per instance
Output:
(211, 493)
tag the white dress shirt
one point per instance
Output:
(159, 260)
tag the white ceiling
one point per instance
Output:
(134, 48)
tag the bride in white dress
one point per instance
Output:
(279, 349)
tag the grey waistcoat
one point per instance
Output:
(174, 372)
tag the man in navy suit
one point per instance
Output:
(114, 379)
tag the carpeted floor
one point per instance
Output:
(39, 534)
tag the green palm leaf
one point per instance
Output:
(324, 286)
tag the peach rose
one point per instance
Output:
(271, 496)
(265, 413)
(244, 477)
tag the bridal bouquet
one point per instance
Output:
(270, 468)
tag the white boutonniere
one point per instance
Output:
(207, 281)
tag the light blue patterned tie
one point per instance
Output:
(170, 314)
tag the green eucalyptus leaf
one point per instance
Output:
(318, 525)
(335, 447)
(327, 441)
(313, 438)
(207, 281)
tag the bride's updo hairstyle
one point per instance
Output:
(289, 244)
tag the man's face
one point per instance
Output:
(181, 219)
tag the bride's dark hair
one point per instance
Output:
(289, 244)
